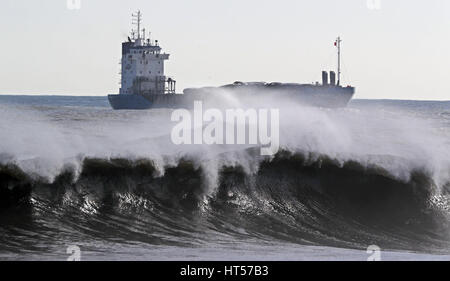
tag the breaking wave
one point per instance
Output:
(345, 178)
(301, 197)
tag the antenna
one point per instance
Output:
(137, 19)
(338, 45)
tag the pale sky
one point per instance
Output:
(400, 51)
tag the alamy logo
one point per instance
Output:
(75, 253)
(375, 253)
(374, 4)
(214, 126)
(73, 4)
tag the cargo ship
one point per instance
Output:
(144, 84)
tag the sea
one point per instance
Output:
(79, 180)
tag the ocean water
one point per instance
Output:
(74, 173)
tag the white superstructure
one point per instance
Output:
(143, 64)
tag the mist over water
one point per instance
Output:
(376, 172)
(395, 138)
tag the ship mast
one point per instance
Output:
(338, 45)
(137, 19)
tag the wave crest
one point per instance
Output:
(298, 197)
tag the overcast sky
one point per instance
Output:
(399, 49)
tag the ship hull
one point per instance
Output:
(310, 95)
(122, 102)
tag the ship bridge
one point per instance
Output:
(143, 64)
